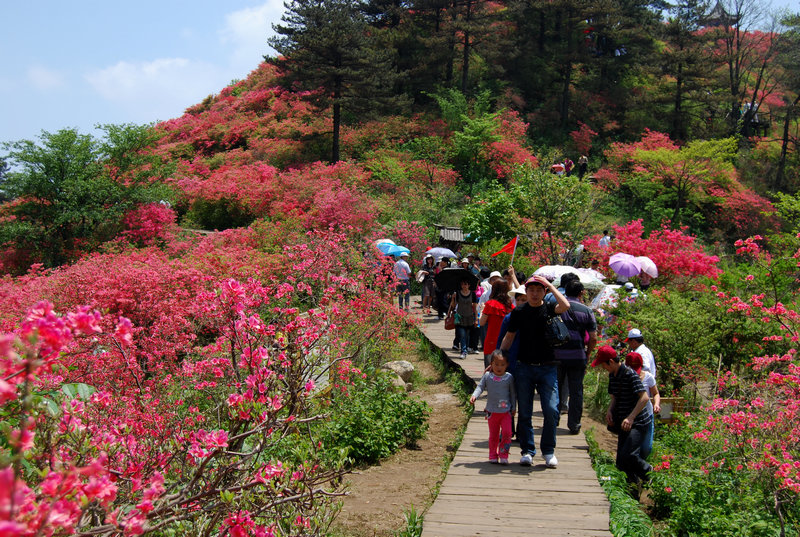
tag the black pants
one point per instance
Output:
(629, 457)
(570, 384)
(442, 304)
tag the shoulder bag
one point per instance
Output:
(450, 320)
(556, 332)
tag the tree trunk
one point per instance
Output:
(467, 50)
(565, 101)
(677, 118)
(780, 175)
(465, 64)
(337, 120)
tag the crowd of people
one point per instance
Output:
(508, 322)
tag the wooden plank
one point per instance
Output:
(522, 521)
(482, 499)
(499, 529)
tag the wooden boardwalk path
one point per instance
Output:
(479, 498)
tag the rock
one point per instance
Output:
(398, 383)
(403, 368)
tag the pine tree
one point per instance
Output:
(789, 58)
(327, 49)
(688, 60)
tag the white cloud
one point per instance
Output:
(44, 79)
(161, 88)
(247, 31)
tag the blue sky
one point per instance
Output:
(83, 62)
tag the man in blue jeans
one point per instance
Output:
(536, 368)
(628, 414)
(572, 356)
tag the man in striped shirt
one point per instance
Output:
(628, 413)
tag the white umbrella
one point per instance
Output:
(591, 272)
(384, 241)
(554, 272)
(608, 295)
(588, 281)
(648, 266)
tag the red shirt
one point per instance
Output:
(496, 311)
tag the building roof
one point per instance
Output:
(450, 234)
(718, 16)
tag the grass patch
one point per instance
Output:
(461, 383)
(626, 519)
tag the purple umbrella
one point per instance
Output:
(624, 264)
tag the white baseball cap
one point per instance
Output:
(635, 333)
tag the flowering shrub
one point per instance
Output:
(735, 462)
(178, 406)
(149, 224)
(680, 260)
(582, 138)
(696, 185)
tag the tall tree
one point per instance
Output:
(64, 196)
(327, 49)
(591, 50)
(3, 171)
(747, 52)
(789, 58)
(688, 61)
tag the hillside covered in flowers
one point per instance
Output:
(185, 306)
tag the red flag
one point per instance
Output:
(509, 248)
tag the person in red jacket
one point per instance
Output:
(498, 306)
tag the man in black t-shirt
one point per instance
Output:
(536, 368)
(628, 413)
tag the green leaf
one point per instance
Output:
(69, 390)
(85, 391)
(79, 389)
(52, 407)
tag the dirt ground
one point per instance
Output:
(378, 495)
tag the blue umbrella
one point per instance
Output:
(384, 246)
(395, 250)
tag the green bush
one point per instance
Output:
(688, 357)
(691, 500)
(373, 420)
(218, 214)
(596, 397)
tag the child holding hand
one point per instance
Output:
(501, 404)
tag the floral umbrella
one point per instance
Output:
(591, 272)
(554, 272)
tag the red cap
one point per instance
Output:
(605, 354)
(634, 361)
(533, 281)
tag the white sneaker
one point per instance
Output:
(503, 461)
(526, 459)
(550, 461)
